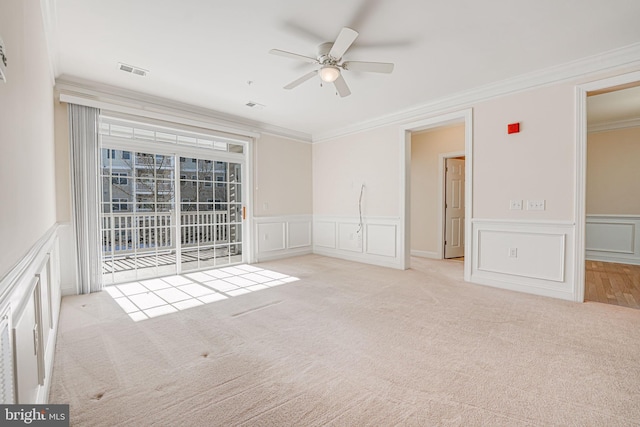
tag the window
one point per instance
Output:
(126, 155)
(111, 154)
(118, 178)
(119, 204)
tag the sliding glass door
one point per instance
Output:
(165, 214)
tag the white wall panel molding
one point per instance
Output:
(324, 234)
(613, 238)
(376, 242)
(611, 60)
(31, 293)
(282, 236)
(27, 266)
(527, 256)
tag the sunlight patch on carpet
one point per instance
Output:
(165, 295)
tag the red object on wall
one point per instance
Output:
(513, 128)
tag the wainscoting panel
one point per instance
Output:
(539, 256)
(375, 242)
(30, 306)
(271, 237)
(527, 256)
(381, 240)
(283, 236)
(350, 237)
(299, 234)
(324, 234)
(613, 238)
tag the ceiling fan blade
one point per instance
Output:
(292, 55)
(341, 86)
(346, 37)
(301, 80)
(372, 67)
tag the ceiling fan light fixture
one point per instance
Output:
(329, 73)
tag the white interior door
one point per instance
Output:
(454, 208)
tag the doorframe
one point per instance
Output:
(404, 244)
(442, 198)
(580, 211)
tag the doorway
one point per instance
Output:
(612, 212)
(423, 216)
(584, 238)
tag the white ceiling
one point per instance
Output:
(203, 52)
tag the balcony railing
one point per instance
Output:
(126, 233)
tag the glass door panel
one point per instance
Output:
(138, 198)
(210, 226)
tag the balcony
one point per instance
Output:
(143, 244)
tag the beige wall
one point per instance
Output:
(342, 165)
(535, 164)
(28, 207)
(426, 148)
(613, 172)
(282, 177)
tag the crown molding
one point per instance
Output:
(610, 60)
(50, 24)
(616, 125)
(131, 102)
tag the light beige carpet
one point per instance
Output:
(351, 344)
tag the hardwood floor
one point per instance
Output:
(611, 283)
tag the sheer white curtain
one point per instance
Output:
(83, 130)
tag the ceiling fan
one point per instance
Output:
(331, 65)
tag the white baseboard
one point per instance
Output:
(616, 260)
(425, 254)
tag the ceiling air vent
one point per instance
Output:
(255, 105)
(133, 70)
